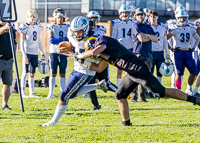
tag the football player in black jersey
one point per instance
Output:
(112, 52)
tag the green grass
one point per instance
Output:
(159, 120)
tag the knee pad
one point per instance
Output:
(119, 95)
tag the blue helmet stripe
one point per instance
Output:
(92, 12)
(181, 12)
(43, 69)
(124, 7)
(76, 21)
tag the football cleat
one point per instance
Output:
(33, 95)
(102, 85)
(188, 91)
(48, 124)
(24, 95)
(49, 97)
(197, 98)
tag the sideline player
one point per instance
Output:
(157, 48)
(182, 33)
(30, 42)
(94, 18)
(138, 72)
(57, 33)
(81, 75)
(122, 32)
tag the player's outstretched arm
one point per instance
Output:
(98, 67)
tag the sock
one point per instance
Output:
(196, 89)
(87, 88)
(178, 84)
(31, 83)
(118, 81)
(23, 79)
(52, 83)
(159, 79)
(60, 110)
(173, 79)
(189, 86)
(62, 83)
(111, 87)
(181, 78)
(191, 99)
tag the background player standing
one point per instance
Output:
(30, 42)
(57, 33)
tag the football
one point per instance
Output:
(66, 47)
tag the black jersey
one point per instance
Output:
(116, 54)
(5, 45)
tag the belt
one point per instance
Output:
(4, 59)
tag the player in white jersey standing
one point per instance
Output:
(157, 48)
(57, 33)
(132, 13)
(146, 11)
(182, 33)
(78, 33)
(196, 57)
(30, 42)
(94, 18)
(122, 32)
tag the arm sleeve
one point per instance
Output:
(165, 44)
(54, 41)
(22, 41)
(197, 39)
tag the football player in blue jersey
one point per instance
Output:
(182, 33)
(57, 33)
(78, 33)
(30, 42)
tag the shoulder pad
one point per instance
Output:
(23, 28)
(197, 22)
(115, 21)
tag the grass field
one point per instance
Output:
(159, 120)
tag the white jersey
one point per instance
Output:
(32, 37)
(182, 35)
(79, 48)
(122, 31)
(160, 32)
(197, 24)
(100, 30)
(59, 32)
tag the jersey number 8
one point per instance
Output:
(34, 35)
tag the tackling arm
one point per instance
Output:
(98, 67)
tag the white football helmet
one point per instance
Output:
(166, 68)
(43, 65)
(93, 14)
(124, 8)
(79, 23)
(182, 13)
(179, 8)
(59, 12)
(146, 11)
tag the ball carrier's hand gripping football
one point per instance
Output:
(6, 16)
